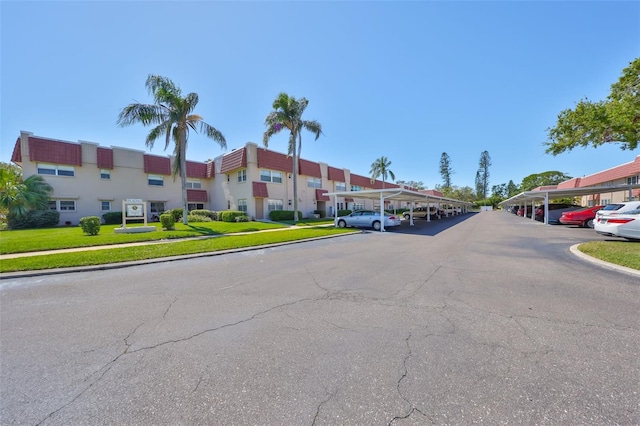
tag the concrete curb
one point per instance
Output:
(602, 263)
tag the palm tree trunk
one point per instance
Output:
(183, 175)
(295, 182)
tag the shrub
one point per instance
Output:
(230, 215)
(167, 221)
(198, 218)
(280, 215)
(322, 213)
(176, 214)
(112, 218)
(344, 212)
(244, 218)
(34, 219)
(90, 225)
(207, 213)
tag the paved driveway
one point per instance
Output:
(488, 321)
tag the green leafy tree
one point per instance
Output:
(445, 169)
(543, 179)
(173, 117)
(18, 196)
(287, 114)
(482, 176)
(616, 120)
(499, 190)
(512, 189)
(380, 168)
(417, 185)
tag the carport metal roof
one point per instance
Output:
(546, 194)
(542, 194)
(399, 194)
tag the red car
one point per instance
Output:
(583, 217)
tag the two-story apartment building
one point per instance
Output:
(90, 180)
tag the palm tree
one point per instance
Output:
(172, 116)
(380, 167)
(287, 114)
(18, 196)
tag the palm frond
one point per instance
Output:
(140, 113)
(213, 133)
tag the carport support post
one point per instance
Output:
(335, 211)
(533, 211)
(546, 208)
(428, 210)
(411, 213)
(381, 213)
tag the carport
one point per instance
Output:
(546, 194)
(397, 194)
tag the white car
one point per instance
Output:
(625, 225)
(617, 208)
(368, 219)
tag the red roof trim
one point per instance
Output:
(105, 158)
(234, 160)
(260, 190)
(157, 165)
(309, 168)
(274, 161)
(16, 156)
(55, 152)
(197, 195)
(320, 195)
(336, 174)
(196, 170)
(362, 181)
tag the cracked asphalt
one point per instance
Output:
(484, 318)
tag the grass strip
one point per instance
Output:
(624, 253)
(154, 251)
(23, 241)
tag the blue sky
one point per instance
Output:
(405, 80)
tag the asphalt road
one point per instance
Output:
(485, 318)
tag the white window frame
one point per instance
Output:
(153, 207)
(314, 182)
(105, 174)
(103, 204)
(273, 204)
(270, 176)
(155, 178)
(194, 184)
(633, 180)
(195, 206)
(59, 206)
(55, 170)
(356, 188)
(242, 175)
(341, 186)
(242, 205)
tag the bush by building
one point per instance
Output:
(90, 225)
(34, 219)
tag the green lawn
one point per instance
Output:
(28, 240)
(174, 248)
(624, 253)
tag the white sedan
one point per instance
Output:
(368, 219)
(625, 225)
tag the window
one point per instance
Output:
(105, 206)
(270, 176)
(105, 174)
(605, 201)
(313, 182)
(242, 205)
(358, 206)
(242, 175)
(633, 180)
(340, 206)
(62, 205)
(156, 207)
(356, 188)
(194, 184)
(341, 186)
(156, 180)
(55, 170)
(195, 206)
(274, 205)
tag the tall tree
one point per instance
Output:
(173, 117)
(482, 177)
(18, 196)
(616, 120)
(417, 185)
(512, 189)
(445, 170)
(287, 114)
(380, 168)
(535, 180)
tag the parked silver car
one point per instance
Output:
(421, 213)
(368, 219)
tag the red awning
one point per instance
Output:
(196, 195)
(260, 190)
(320, 195)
